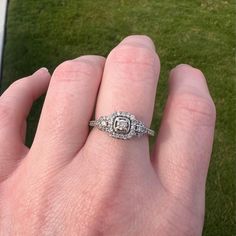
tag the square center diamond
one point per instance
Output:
(121, 125)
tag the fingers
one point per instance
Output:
(130, 79)
(184, 143)
(128, 84)
(68, 107)
(17, 100)
(15, 104)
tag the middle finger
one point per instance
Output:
(68, 106)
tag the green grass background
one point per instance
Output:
(201, 32)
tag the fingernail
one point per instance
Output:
(44, 68)
(41, 69)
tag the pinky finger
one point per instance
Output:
(184, 144)
(15, 105)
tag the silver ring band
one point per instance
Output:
(121, 125)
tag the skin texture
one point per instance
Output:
(76, 182)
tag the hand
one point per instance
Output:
(75, 182)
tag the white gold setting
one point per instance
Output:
(121, 125)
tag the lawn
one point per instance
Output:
(202, 33)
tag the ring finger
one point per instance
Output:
(128, 84)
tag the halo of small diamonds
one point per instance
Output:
(121, 125)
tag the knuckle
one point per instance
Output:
(187, 69)
(194, 110)
(198, 72)
(195, 72)
(5, 114)
(139, 38)
(134, 54)
(74, 70)
(18, 83)
(182, 67)
(6, 108)
(146, 38)
(23, 85)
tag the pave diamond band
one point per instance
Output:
(121, 125)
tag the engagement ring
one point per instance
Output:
(121, 125)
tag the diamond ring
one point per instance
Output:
(121, 125)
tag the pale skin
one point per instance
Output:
(73, 181)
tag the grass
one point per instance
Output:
(200, 32)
